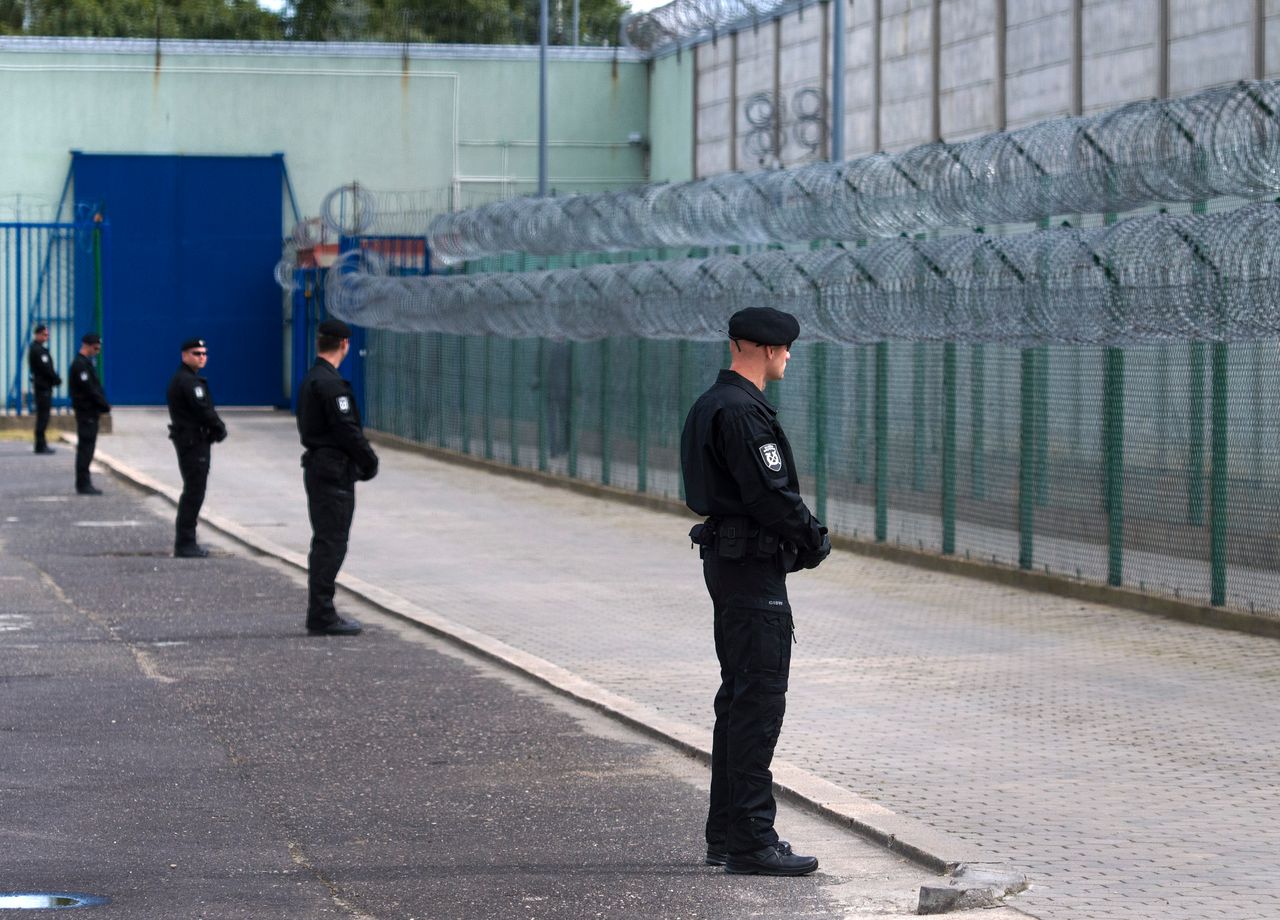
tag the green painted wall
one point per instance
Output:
(671, 117)
(447, 117)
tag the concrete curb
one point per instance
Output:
(935, 850)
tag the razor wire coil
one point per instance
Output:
(1221, 142)
(684, 19)
(1146, 279)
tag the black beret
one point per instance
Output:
(764, 326)
(336, 328)
(41, 327)
(91, 338)
(192, 343)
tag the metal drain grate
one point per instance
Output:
(46, 900)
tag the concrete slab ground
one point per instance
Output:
(1124, 763)
(172, 740)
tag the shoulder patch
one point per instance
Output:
(199, 391)
(771, 457)
(44, 358)
(344, 404)
(84, 375)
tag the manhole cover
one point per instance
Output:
(46, 900)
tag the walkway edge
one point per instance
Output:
(935, 850)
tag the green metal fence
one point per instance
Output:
(1154, 467)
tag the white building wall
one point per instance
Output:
(460, 120)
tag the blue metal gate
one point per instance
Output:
(50, 273)
(195, 240)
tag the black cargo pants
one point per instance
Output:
(193, 463)
(753, 636)
(331, 504)
(44, 406)
(86, 444)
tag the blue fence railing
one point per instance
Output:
(49, 273)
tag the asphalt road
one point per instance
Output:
(171, 738)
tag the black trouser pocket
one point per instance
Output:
(757, 636)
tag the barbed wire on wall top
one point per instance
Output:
(1146, 279)
(682, 20)
(1223, 141)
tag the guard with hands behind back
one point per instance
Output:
(90, 403)
(194, 426)
(337, 456)
(740, 473)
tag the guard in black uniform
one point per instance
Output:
(739, 472)
(44, 377)
(194, 425)
(337, 455)
(90, 403)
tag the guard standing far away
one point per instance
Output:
(90, 403)
(44, 377)
(337, 455)
(194, 425)
(739, 472)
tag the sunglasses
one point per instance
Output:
(199, 354)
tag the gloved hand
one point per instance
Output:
(219, 434)
(812, 558)
(368, 472)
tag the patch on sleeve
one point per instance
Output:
(44, 358)
(199, 391)
(84, 375)
(344, 404)
(771, 456)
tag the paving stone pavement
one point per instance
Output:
(1125, 763)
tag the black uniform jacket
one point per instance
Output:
(43, 376)
(87, 397)
(737, 461)
(328, 417)
(191, 408)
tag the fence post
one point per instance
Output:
(917, 416)
(1026, 462)
(17, 303)
(606, 414)
(574, 408)
(464, 420)
(97, 283)
(513, 429)
(441, 434)
(819, 429)
(1042, 425)
(542, 404)
(1195, 436)
(882, 441)
(978, 422)
(860, 427)
(1218, 480)
(948, 448)
(642, 419)
(1113, 430)
(488, 396)
(682, 399)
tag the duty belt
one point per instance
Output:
(735, 537)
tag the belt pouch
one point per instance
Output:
(731, 538)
